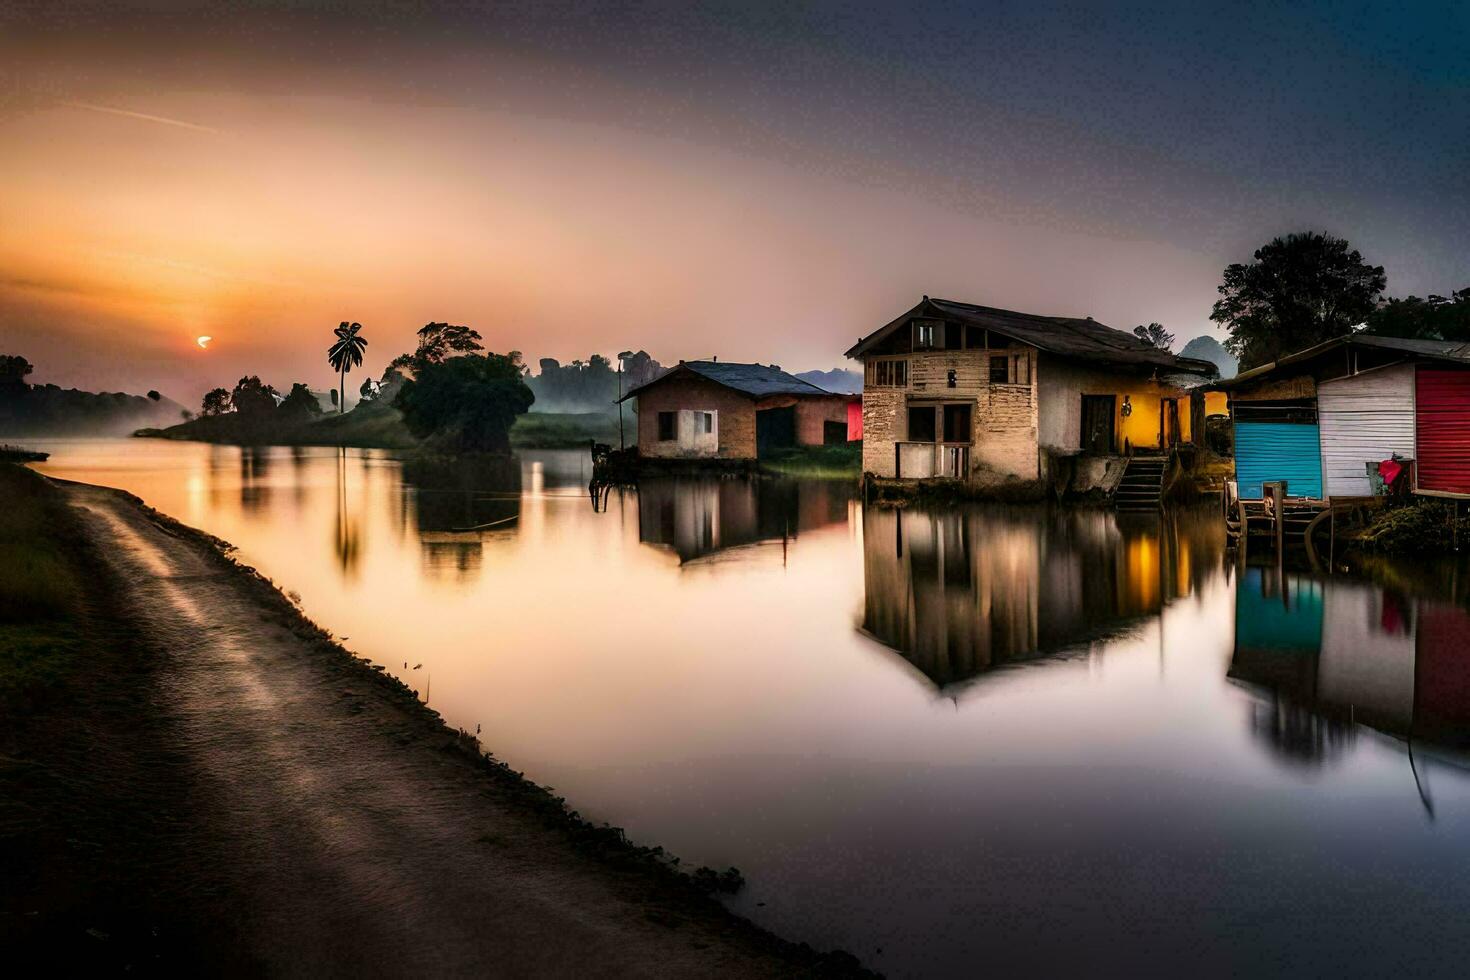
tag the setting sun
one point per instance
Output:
(203, 342)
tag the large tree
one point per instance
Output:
(13, 369)
(438, 342)
(1154, 334)
(253, 397)
(1435, 318)
(301, 403)
(216, 402)
(466, 404)
(1299, 291)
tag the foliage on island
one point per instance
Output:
(466, 403)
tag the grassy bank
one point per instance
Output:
(553, 430)
(40, 587)
(816, 462)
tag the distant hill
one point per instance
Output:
(1209, 349)
(49, 410)
(839, 380)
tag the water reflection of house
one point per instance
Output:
(963, 591)
(1337, 652)
(698, 517)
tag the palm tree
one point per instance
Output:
(345, 355)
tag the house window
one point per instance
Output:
(1010, 369)
(889, 374)
(706, 422)
(667, 422)
(974, 338)
(1021, 369)
(921, 423)
(952, 332)
(927, 334)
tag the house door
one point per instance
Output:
(775, 428)
(1168, 422)
(957, 423)
(1098, 420)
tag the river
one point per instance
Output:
(990, 738)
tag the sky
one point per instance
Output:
(758, 182)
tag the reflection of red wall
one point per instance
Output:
(1442, 694)
(854, 420)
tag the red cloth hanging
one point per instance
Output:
(1390, 469)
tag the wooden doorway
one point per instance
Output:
(957, 423)
(1099, 423)
(1168, 422)
(775, 428)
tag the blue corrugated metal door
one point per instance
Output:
(1289, 451)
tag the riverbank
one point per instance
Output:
(308, 812)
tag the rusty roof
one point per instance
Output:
(755, 380)
(1083, 338)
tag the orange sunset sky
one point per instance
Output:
(572, 179)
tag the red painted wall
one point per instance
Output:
(854, 421)
(1442, 398)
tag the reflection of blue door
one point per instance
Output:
(1289, 451)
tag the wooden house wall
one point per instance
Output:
(1364, 418)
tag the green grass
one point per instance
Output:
(554, 430)
(816, 462)
(40, 589)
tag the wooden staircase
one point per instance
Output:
(1142, 486)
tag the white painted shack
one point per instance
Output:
(1364, 418)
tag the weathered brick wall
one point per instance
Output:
(882, 427)
(736, 416)
(1005, 435)
(812, 414)
(1004, 420)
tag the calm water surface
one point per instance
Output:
(990, 739)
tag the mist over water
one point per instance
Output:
(983, 738)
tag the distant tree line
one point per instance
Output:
(32, 409)
(592, 385)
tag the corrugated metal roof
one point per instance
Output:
(755, 380)
(1083, 338)
(1438, 350)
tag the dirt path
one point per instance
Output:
(345, 831)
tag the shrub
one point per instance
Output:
(1422, 528)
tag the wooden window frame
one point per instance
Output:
(884, 371)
